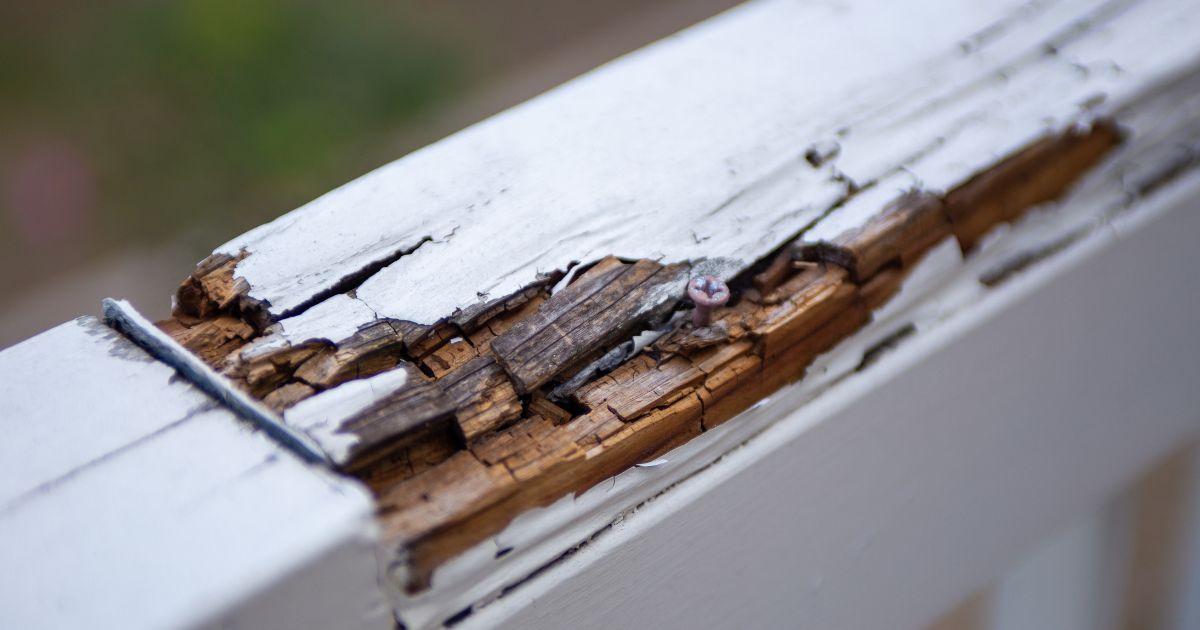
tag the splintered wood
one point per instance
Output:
(546, 394)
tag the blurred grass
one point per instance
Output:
(203, 116)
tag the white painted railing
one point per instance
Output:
(872, 498)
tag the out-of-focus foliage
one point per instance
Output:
(136, 118)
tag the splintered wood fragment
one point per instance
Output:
(594, 427)
(421, 341)
(730, 390)
(539, 405)
(288, 395)
(373, 349)
(602, 305)
(780, 267)
(1039, 173)
(815, 297)
(483, 396)
(415, 404)
(410, 455)
(449, 357)
(266, 372)
(881, 287)
(787, 365)
(211, 339)
(459, 485)
(899, 234)
(192, 299)
(640, 385)
(660, 431)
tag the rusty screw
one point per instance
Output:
(708, 292)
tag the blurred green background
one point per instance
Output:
(137, 135)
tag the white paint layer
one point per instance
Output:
(321, 416)
(87, 419)
(692, 148)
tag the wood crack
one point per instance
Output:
(541, 395)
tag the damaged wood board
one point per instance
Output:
(889, 490)
(532, 267)
(130, 499)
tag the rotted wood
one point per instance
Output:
(418, 404)
(656, 401)
(600, 307)
(483, 396)
(643, 408)
(904, 228)
(474, 437)
(371, 350)
(1040, 173)
(211, 339)
(212, 288)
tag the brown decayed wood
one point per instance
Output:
(456, 456)
(601, 306)
(211, 289)
(373, 349)
(483, 396)
(1039, 173)
(288, 395)
(211, 339)
(417, 404)
(911, 224)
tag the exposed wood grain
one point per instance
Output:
(1039, 173)
(373, 349)
(212, 288)
(640, 386)
(483, 397)
(211, 339)
(416, 404)
(601, 306)
(902, 231)
(814, 297)
(288, 395)
(265, 373)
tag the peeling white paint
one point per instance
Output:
(940, 290)
(321, 416)
(658, 155)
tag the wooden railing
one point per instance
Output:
(956, 241)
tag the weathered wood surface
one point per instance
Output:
(814, 190)
(130, 499)
(484, 399)
(413, 404)
(601, 306)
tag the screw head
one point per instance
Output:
(708, 291)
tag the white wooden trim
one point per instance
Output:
(132, 500)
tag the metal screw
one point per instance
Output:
(708, 292)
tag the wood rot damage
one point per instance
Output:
(461, 425)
